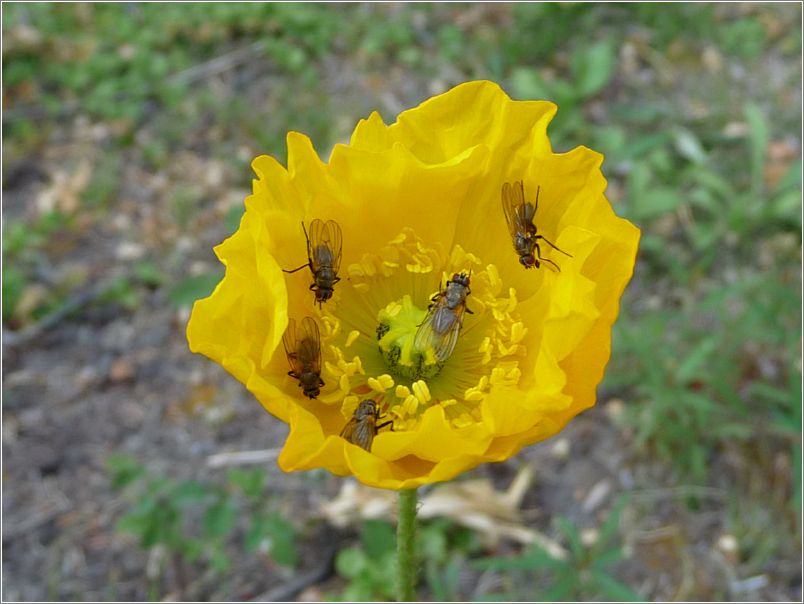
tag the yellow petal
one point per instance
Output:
(432, 439)
(393, 190)
(371, 135)
(241, 323)
(474, 113)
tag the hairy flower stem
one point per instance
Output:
(406, 546)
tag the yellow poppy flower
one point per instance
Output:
(418, 202)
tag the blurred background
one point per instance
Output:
(135, 470)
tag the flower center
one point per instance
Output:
(397, 326)
(376, 314)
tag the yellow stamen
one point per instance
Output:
(518, 331)
(381, 384)
(473, 394)
(357, 366)
(410, 405)
(421, 391)
(349, 405)
(350, 339)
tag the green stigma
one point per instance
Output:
(396, 332)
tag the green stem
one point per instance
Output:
(406, 545)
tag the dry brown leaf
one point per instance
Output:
(356, 502)
(22, 38)
(475, 504)
(64, 192)
(597, 495)
(122, 370)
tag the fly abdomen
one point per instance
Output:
(325, 278)
(523, 245)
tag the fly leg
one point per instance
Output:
(539, 255)
(296, 269)
(388, 423)
(552, 245)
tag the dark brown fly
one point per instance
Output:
(324, 244)
(444, 319)
(519, 215)
(363, 427)
(303, 350)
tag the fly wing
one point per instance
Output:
(310, 344)
(426, 334)
(334, 241)
(360, 433)
(324, 245)
(349, 429)
(448, 341)
(289, 342)
(513, 198)
(442, 341)
(364, 433)
(314, 239)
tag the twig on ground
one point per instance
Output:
(241, 458)
(679, 491)
(218, 65)
(73, 304)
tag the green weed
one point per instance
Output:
(117, 59)
(370, 567)
(694, 372)
(196, 522)
(23, 248)
(586, 574)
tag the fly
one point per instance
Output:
(519, 215)
(303, 351)
(324, 245)
(444, 319)
(363, 427)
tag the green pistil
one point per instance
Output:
(396, 331)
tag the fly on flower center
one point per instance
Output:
(417, 344)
